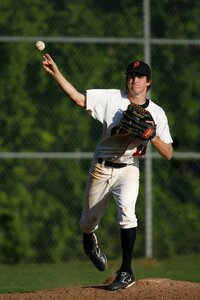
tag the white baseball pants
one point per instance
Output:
(123, 183)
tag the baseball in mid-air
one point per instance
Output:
(39, 45)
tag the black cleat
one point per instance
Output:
(123, 280)
(97, 257)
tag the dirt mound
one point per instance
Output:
(145, 289)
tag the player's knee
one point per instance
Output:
(85, 227)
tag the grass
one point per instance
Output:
(29, 277)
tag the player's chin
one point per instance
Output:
(135, 90)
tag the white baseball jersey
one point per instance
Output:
(107, 106)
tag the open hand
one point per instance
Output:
(49, 65)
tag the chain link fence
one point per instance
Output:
(47, 143)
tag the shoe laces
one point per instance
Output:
(122, 275)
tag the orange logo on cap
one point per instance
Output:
(136, 64)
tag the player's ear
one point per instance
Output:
(148, 82)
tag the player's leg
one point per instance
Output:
(96, 200)
(125, 193)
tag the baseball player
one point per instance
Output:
(115, 165)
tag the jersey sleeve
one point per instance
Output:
(96, 103)
(162, 127)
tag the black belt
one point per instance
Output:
(111, 164)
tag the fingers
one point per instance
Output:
(48, 64)
(47, 60)
(47, 56)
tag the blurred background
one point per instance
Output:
(46, 142)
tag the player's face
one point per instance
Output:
(137, 84)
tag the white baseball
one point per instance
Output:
(39, 45)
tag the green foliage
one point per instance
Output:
(14, 236)
(176, 213)
(41, 200)
(172, 20)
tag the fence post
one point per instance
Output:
(148, 158)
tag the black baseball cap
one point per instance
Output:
(139, 67)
